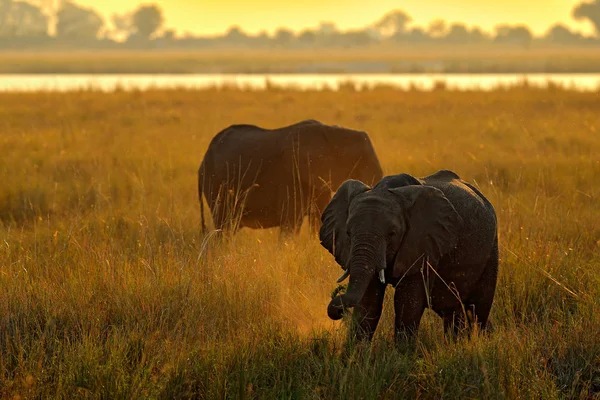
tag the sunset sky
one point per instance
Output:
(215, 16)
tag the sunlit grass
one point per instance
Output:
(109, 290)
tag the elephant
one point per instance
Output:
(262, 178)
(434, 239)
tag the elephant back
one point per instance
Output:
(333, 154)
(477, 212)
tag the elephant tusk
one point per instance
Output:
(343, 276)
(382, 276)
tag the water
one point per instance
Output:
(70, 82)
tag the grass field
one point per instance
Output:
(107, 289)
(379, 59)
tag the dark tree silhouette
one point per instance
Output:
(417, 34)
(590, 11)
(77, 26)
(327, 29)
(478, 35)
(355, 38)
(169, 34)
(235, 35)
(20, 19)
(76, 22)
(147, 20)
(394, 23)
(122, 26)
(560, 34)
(284, 36)
(517, 34)
(458, 33)
(307, 37)
(437, 28)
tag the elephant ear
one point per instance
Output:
(432, 226)
(333, 229)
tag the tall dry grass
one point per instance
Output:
(108, 290)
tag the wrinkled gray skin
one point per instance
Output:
(262, 178)
(387, 232)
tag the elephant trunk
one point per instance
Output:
(366, 259)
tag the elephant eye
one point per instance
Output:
(392, 234)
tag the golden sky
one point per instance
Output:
(215, 16)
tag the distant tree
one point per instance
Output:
(417, 34)
(590, 11)
(283, 36)
(355, 38)
(437, 28)
(478, 35)
(262, 38)
(373, 33)
(169, 34)
(458, 33)
(307, 37)
(517, 34)
(188, 35)
(147, 20)
(560, 34)
(20, 19)
(235, 35)
(48, 5)
(76, 22)
(122, 26)
(327, 29)
(50, 9)
(394, 23)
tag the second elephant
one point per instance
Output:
(262, 178)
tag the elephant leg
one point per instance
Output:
(454, 322)
(223, 224)
(409, 304)
(221, 210)
(217, 216)
(481, 299)
(367, 312)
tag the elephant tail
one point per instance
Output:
(202, 213)
(200, 194)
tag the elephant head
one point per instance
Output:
(384, 232)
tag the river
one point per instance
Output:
(110, 82)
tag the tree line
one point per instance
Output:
(68, 25)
